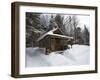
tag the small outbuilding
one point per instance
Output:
(54, 40)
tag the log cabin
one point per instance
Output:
(54, 40)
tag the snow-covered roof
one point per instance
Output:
(62, 36)
(51, 33)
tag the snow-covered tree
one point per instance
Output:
(86, 35)
(78, 36)
(44, 21)
(32, 26)
(59, 19)
(68, 26)
(75, 23)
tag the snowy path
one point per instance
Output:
(78, 55)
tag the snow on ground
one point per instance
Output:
(77, 55)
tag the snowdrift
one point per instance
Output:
(77, 55)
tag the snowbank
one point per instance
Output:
(77, 55)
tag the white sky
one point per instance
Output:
(84, 20)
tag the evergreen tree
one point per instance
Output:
(52, 23)
(60, 22)
(45, 21)
(32, 24)
(78, 36)
(86, 35)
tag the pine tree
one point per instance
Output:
(78, 36)
(32, 24)
(86, 35)
(59, 19)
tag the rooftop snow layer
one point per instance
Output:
(51, 33)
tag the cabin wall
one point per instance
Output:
(45, 42)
